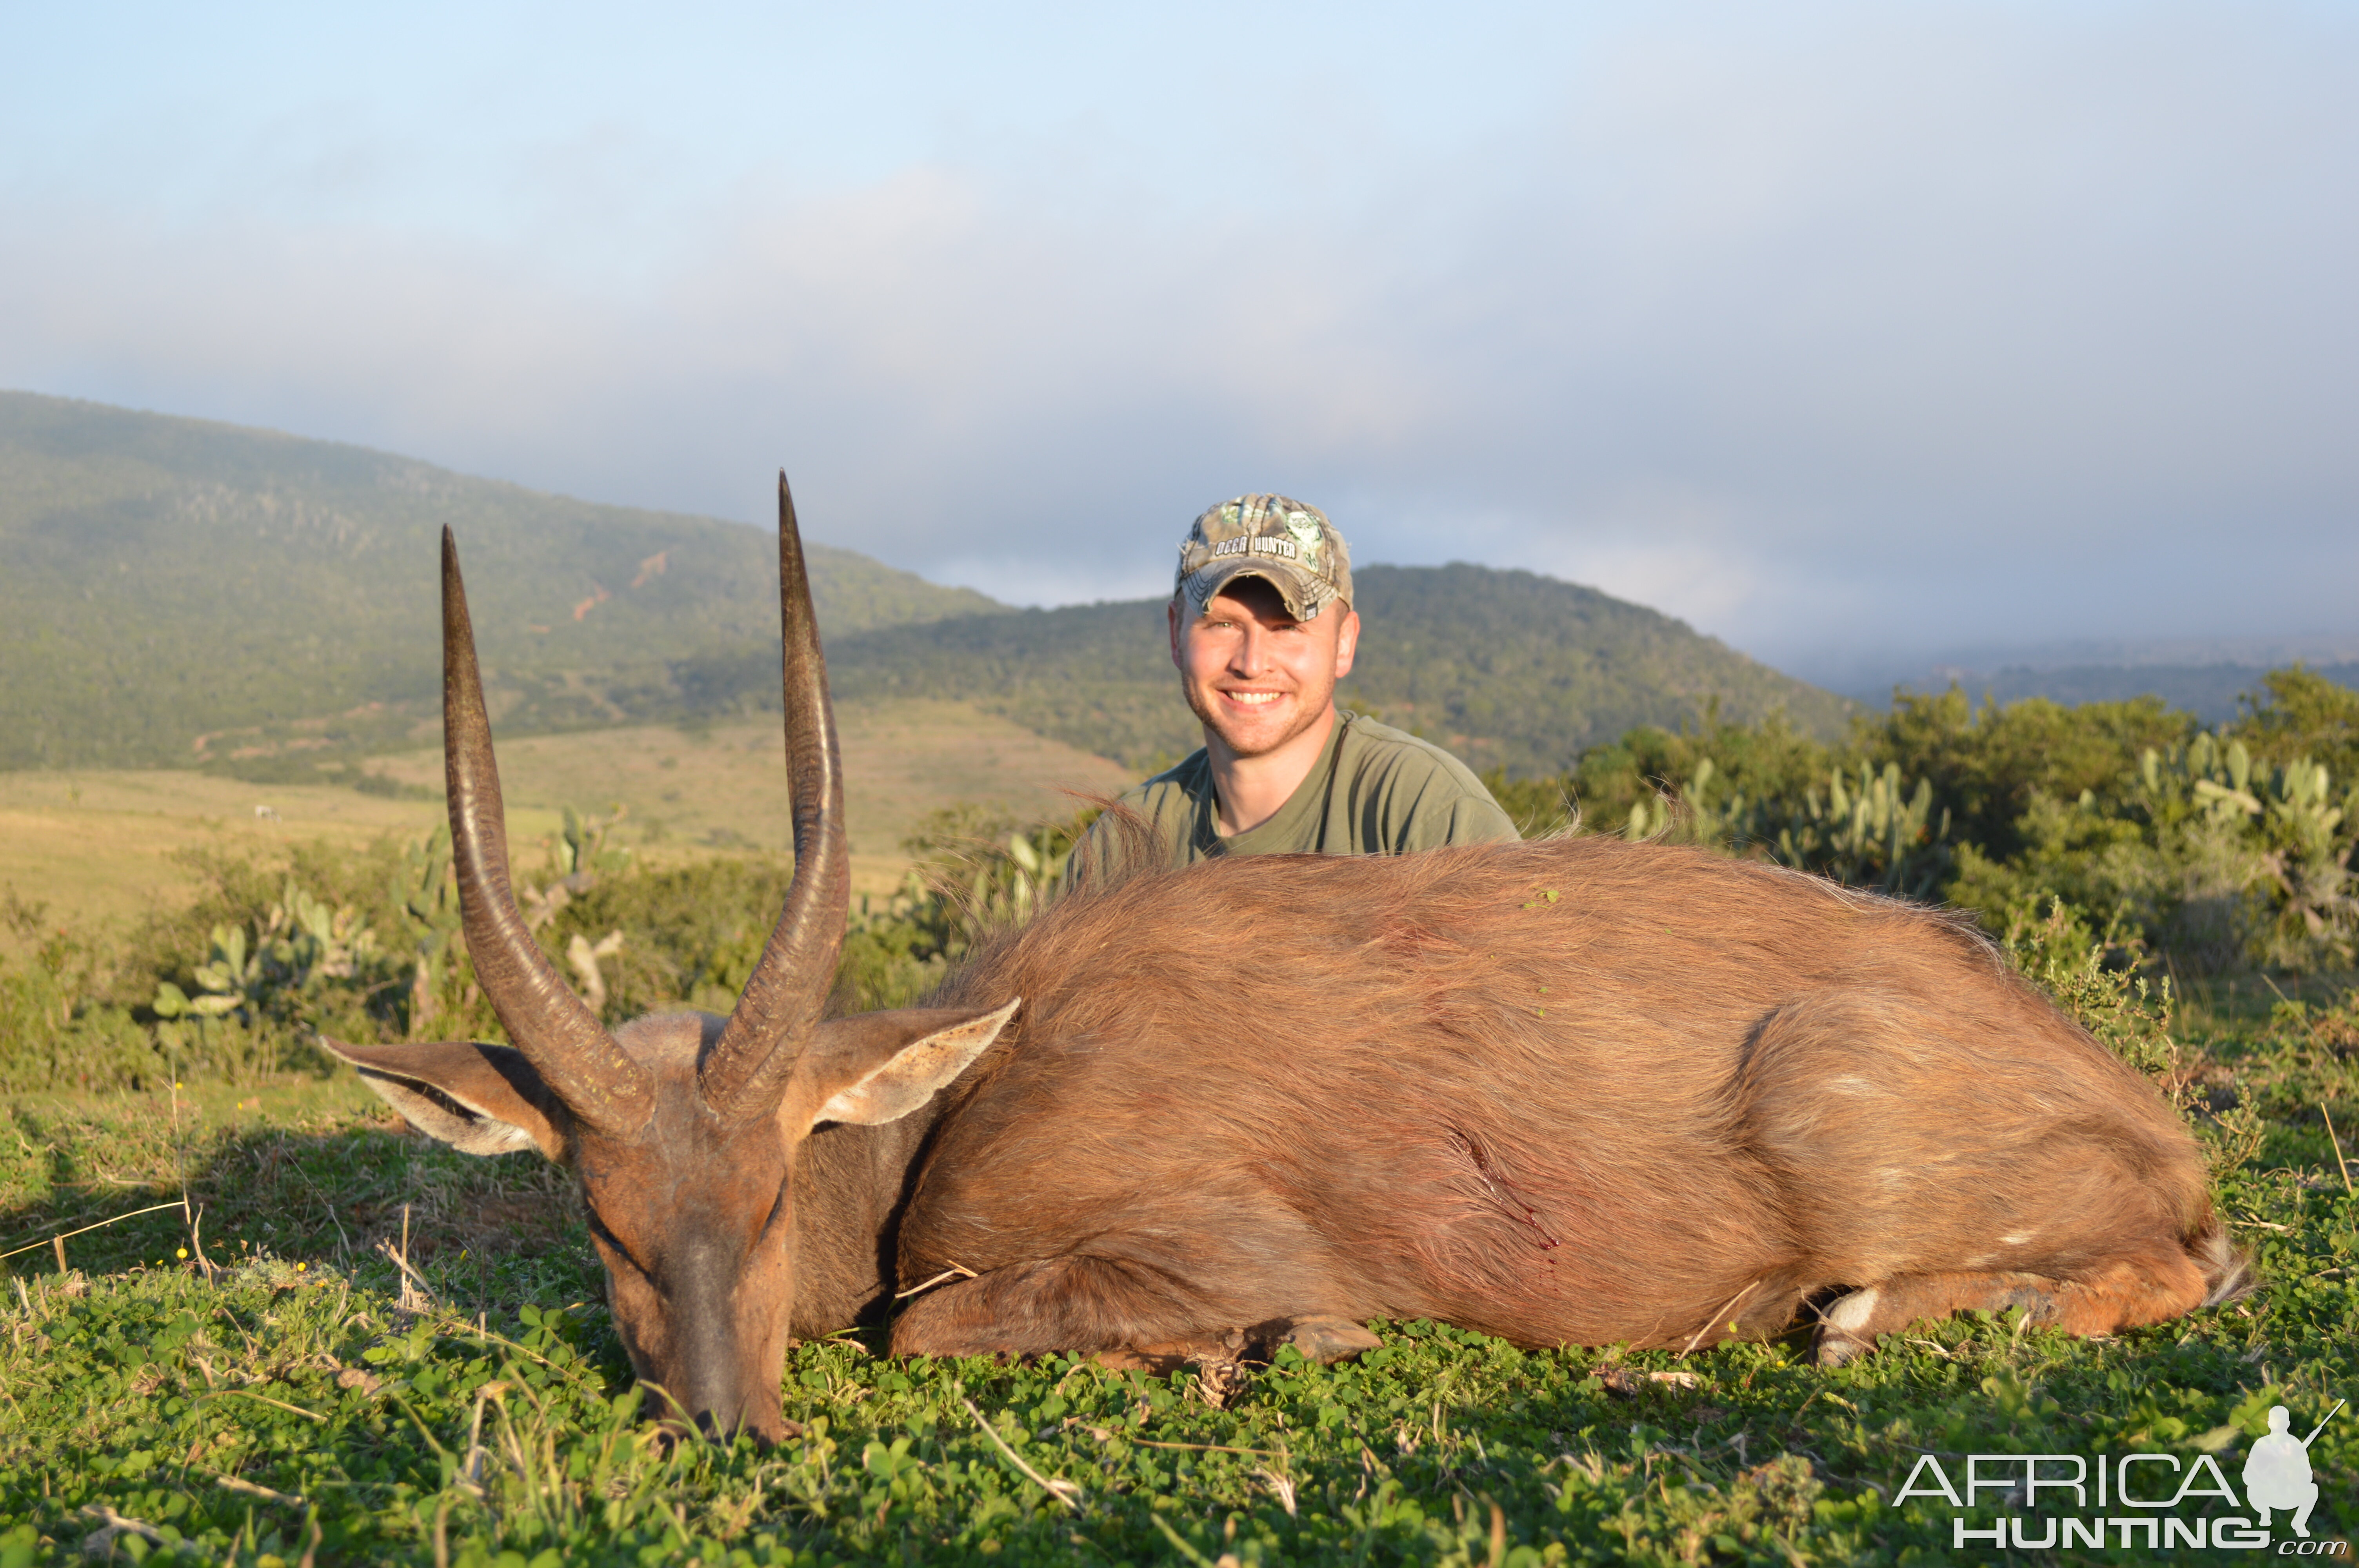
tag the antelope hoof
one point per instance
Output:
(1327, 1340)
(1835, 1350)
(1843, 1331)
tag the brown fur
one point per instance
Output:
(1686, 1100)
(1684, 1093)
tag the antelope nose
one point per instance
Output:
(716, 1405)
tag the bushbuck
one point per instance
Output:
(1572, 1092)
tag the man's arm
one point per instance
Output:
(1482, 821)
(1148, 829)
(1412, 794)
(1456, 818)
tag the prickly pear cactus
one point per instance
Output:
(300, 944)
(426, 891)
(1867, 829)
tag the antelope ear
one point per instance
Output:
(877, 1067)
(479, 1100)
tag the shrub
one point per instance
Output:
(367, 948)
(2094, 976)
(2216, 849)
(2301, 713)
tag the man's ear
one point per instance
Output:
(1171, 618)
(479, 1100)
(879, 1066)
(1347, 640)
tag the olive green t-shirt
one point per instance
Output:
(1373, 791)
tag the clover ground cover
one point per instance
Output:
(294, 1401)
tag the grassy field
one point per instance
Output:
(99, 846)
(275, 1393)
(725, 787)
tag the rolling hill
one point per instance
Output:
(176, 591)
(1507, 668)
(164, 580)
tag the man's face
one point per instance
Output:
(1255, 675)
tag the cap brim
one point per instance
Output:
(1297, 587)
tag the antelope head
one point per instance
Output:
(681, 1129)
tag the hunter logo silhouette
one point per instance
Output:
(2276, 1472)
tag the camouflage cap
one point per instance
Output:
(1272, 536)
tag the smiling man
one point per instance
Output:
(1261, 628)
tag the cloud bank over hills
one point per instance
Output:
(1847, 334)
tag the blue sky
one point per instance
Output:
(1857, 335)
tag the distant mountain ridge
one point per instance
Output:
(174, 590)
(162, 578)
(2210, 691)
(2202, 675)
(1507, 668)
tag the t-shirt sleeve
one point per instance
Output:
(1481, 821)
(1098, 857)
(1163, 805)
(1428, 799)
(1446, 815)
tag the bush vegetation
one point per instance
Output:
(367, 948)
(2201, 850)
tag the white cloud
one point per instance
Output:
(1827, 330)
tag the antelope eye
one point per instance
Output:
(782, 1210)
(612, 1246)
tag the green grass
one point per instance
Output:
(500, 1418)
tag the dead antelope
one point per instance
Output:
(1569, 1092)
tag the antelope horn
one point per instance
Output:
(559, 1036)
(747, 1070)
